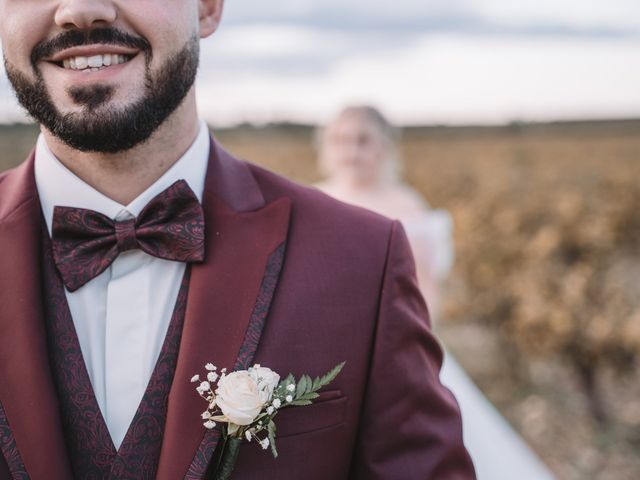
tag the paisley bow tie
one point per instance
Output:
(86, 242)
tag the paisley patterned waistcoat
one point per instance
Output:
(92, 453)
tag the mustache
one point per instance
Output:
(78, 38)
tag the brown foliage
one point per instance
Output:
(544, 304)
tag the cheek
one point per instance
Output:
(331, 162)
(167, 24)
(370, 157)
(377, 148)
(21, 30)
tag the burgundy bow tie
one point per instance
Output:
(86, 242)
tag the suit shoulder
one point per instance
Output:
(6, 180)
(5, 174)
(16, 170)
(313, 207)
(342, 244)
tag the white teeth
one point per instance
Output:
(95, 62)
(81, 63)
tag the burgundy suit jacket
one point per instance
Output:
(346, 292)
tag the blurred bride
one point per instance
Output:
(358, 156)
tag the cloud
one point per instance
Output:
(288, 49)
(620, 15)
(283, 59)
(542, 17)
(520, 60)
(447, 79)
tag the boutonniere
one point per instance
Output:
(245, 403)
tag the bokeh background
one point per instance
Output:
(520, 119)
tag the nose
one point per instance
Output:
(85, 14)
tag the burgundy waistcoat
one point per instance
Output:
(92, 453)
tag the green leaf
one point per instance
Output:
(285, 381)
(232, 429)
(302, 386)
(308, 396)
(299, 403)
(330, 376)
(309, 383)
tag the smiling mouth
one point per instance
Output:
(93, 63)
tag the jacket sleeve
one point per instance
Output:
(410, 426)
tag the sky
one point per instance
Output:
(420, 61)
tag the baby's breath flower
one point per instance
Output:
(210, 424)
(264, 443)
(203, 387)
(206, 415)
(210, 366)
(270, 410)
(276, 403)
(195, 378)
(289, 398)
(291, 387)
(247, 435)
(212, 376)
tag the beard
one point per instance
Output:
(98, 127)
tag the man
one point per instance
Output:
(135, 250)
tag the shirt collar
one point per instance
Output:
(58, 186)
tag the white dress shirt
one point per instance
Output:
(122, 315)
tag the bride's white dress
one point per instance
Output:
(498, 452)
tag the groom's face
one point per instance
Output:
(101, 74)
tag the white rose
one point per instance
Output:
(266, 379)
(239, 398)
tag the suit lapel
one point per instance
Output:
(27, 393)
(229, 297)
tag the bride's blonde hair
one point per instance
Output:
(391, 135)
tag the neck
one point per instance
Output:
(360, 186)
(125, 175)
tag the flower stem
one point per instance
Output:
(226, 461)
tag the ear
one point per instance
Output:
(210, 13)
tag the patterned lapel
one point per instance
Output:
(228, 302)
(29, 420)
